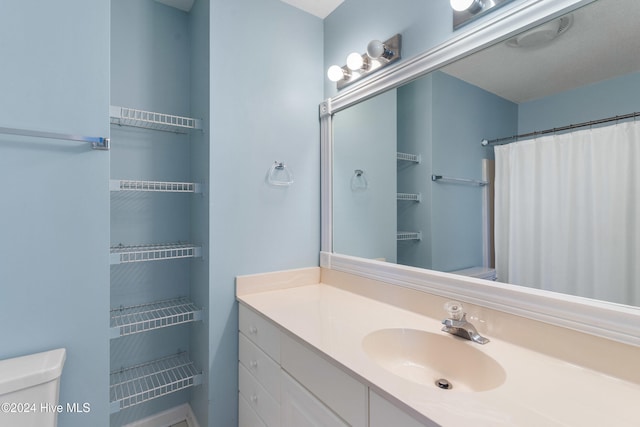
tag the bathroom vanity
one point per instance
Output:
(321, 347)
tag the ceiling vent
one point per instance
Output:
(542, 35)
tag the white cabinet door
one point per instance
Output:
(345, 395)
(247, 417)
(258, 398)
(301, 408)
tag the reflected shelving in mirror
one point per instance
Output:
(154, 186)
(409, 197)
(415, 158)
(409, 235)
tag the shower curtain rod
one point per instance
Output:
(499, 141)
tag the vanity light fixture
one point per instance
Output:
(465, 11)
(357, 62)
(473, 6)
(379, 54)
(337, 73)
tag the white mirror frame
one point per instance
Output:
(613, 321)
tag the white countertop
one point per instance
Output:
(538, 391)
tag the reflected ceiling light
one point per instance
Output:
(542, 35)
(473, 6)
(465, 11)
(379, 54)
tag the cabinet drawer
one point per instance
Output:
(261, 366)
(343, 394)
(258, 398)
(260, 331)
(247, 417)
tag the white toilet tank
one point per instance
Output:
(29, 387)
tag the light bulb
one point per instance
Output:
(355, 61)
(375, 49)
(462, 5)
(335, 73)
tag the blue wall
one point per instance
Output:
(54, 221)
(365, 139)
(462, 112)
(434, 123)
(608, 98)
(266, 84)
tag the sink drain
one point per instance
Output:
(444, 384)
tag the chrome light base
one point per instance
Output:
(478, 9)
(392, 54)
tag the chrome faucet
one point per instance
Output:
(457, 324)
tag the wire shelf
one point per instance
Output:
(121, 254)
(409, 235)
(146, 317)
(155, 186)
(410, 197)
(150, 120)
(408, 157)
(141, 383)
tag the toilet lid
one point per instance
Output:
(27, 371)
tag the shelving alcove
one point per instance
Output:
(142, 382)
(409, 197)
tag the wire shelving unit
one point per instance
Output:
(410, 197)
(150, 120)
(154, 186)
(409, 235)
(415, 158)
(141, 383)
(146, 317)
(121, 254)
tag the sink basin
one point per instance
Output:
(425, 358)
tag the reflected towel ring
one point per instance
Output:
(279, 175)
(359, 181)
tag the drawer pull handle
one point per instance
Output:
(253, 364)
(253, 330)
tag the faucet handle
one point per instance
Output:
(454, 308)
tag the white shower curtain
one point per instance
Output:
(567, 213)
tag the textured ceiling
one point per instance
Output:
(602, 43)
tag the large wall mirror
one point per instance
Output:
(412, 184)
